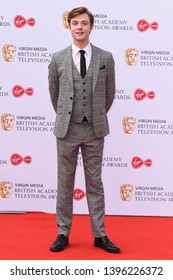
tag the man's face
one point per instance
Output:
(6, 190)
(80, 28)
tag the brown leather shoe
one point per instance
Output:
(106, 244)
(59, 243)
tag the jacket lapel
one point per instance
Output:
(96, 65)
(68, 64)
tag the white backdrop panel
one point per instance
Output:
(137, 162)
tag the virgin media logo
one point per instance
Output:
(140, 94)
(78, 194)
(137, 162)
(20, 21)
(18, 91)
(144, 25)
(17, 159)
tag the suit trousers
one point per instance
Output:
(80, 135)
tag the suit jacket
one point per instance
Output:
(62, 92)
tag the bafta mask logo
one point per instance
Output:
(7, 121)
(128, 124)
(131, 55)
(64, 19)
(9, 52)
(126, 191)
(5, 189)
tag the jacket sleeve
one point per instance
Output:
(53, 83)
(110, 85)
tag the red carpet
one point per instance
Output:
(28, 236)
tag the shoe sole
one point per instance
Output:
(59, 250)
(107, 250)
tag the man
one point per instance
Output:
(81, 96)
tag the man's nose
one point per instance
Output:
(79, 26)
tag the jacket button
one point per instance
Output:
(69, 113)
(71, 97)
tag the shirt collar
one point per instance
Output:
(75, 49)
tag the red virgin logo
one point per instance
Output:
(18, 91)
(17, 159)
(137, 162)
(144, 25)
(20, 21)
(78, 194)
(140, 94)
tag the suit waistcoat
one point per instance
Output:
(83, 96)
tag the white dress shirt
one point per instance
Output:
(76, 55)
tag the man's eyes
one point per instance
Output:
(76, 23)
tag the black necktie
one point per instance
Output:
(82, 63)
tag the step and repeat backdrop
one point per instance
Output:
(137, 162)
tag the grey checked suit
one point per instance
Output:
(65, 85)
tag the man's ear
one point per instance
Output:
(92, 26)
